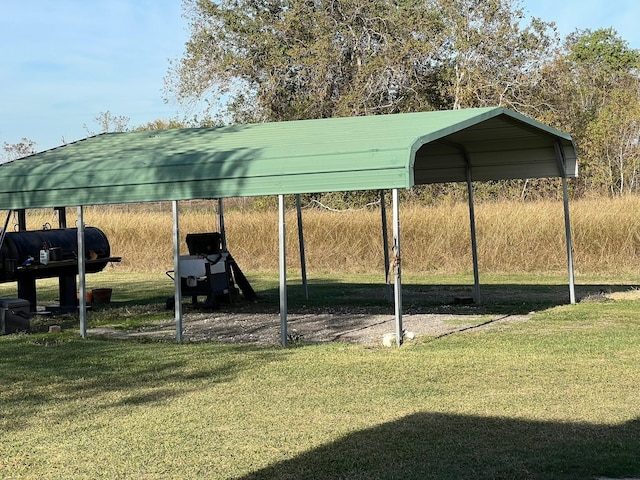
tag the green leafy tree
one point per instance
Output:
(585, 90)
(604, 50)
(160, 124)
(611, 141)
(283, 60)
(491, 56)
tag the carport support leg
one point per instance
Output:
(567, 226)
(385, 245)
(67, 288)
(22, 220)
(81, 275)
(567, 221)
(283, 270)
(223, 231)
(176, 269)
(474, 241)
(397, 265)
(303, 259)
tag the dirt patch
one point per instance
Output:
(262, 328)
(359, 316)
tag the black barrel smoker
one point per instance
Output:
(210, 271)
(26, 256)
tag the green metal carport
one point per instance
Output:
(306, 156)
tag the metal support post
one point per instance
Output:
(62, 216)
(22, 220)
(385, 245)
(397, 266)
(283, 270)
(567, 223)
(303, 260)
(223, 232)
(474, 242)
(82, 274)
(176, 269)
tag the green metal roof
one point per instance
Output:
(355, 153)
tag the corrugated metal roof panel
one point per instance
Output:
(356, 153)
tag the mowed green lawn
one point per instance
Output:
(555, 397)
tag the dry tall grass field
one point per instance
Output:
(513, 236)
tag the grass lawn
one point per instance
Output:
(555, 397)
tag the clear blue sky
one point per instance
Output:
(66, 61)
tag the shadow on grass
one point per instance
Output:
(337, 310)
(336, 295)
(43, 370)
(440, 446)
(496, 299)
(348, 306)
